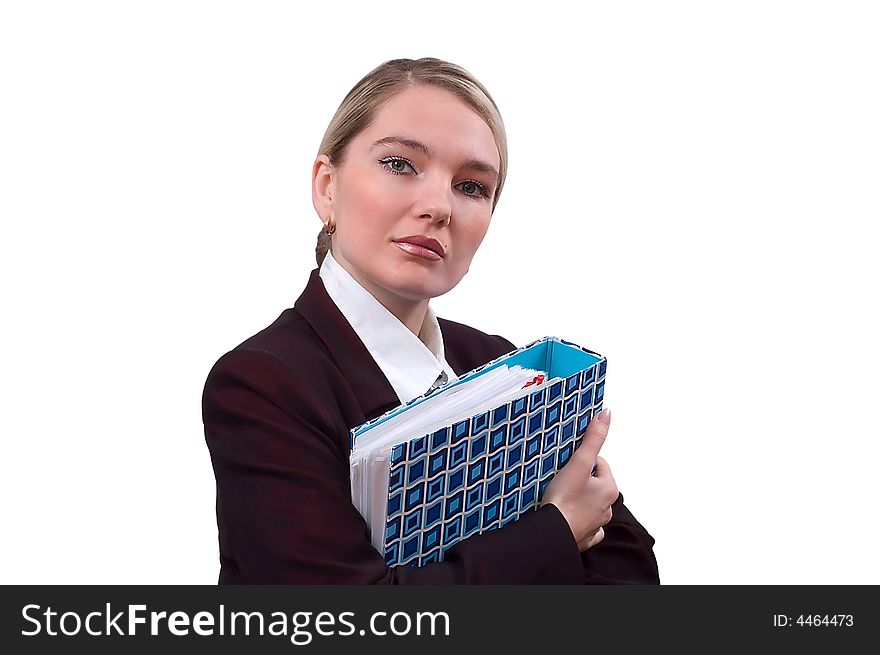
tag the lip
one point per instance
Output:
(424, 242)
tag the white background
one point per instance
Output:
(693, 192)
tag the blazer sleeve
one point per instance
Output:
(625, 555)
(284, 506)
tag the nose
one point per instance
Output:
(435, 200)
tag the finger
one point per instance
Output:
(587, 541)
(603, 473)
(601, 469)
(597, 538)
(594, 437)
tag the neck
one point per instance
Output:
(409, 312)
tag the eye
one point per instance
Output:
(474, 189)
(396, 165)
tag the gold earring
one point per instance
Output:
(329, 227)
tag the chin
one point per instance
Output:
(419, 292)
(429, 287)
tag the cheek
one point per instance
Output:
(473, 236)
(372, 206)
(484, 228)
(468, 241)
(370, 201)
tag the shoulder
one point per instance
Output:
(467, 347)
(286, 352)
(289, 340)
(459, 332)
(282, 375)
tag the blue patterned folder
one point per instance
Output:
(424, 493)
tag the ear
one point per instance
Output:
(323, 187)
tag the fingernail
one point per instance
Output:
(604, 416)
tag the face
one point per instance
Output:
(413, 198)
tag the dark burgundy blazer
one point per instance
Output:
(277, 412)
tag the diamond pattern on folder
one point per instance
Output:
(486, 471)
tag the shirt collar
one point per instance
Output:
(411, 363)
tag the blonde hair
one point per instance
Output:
(385, 81)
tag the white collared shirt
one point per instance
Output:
(411, 363)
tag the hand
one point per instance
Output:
(585, 500)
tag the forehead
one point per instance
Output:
(437, 118)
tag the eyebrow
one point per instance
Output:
(474, 164)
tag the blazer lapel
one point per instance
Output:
(372, 389)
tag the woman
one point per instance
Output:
(406, 180)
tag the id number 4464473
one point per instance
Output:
(813, 620)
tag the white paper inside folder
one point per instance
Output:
(370, 457)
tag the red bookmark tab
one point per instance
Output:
(538, 379)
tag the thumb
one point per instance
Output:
(594, 438)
